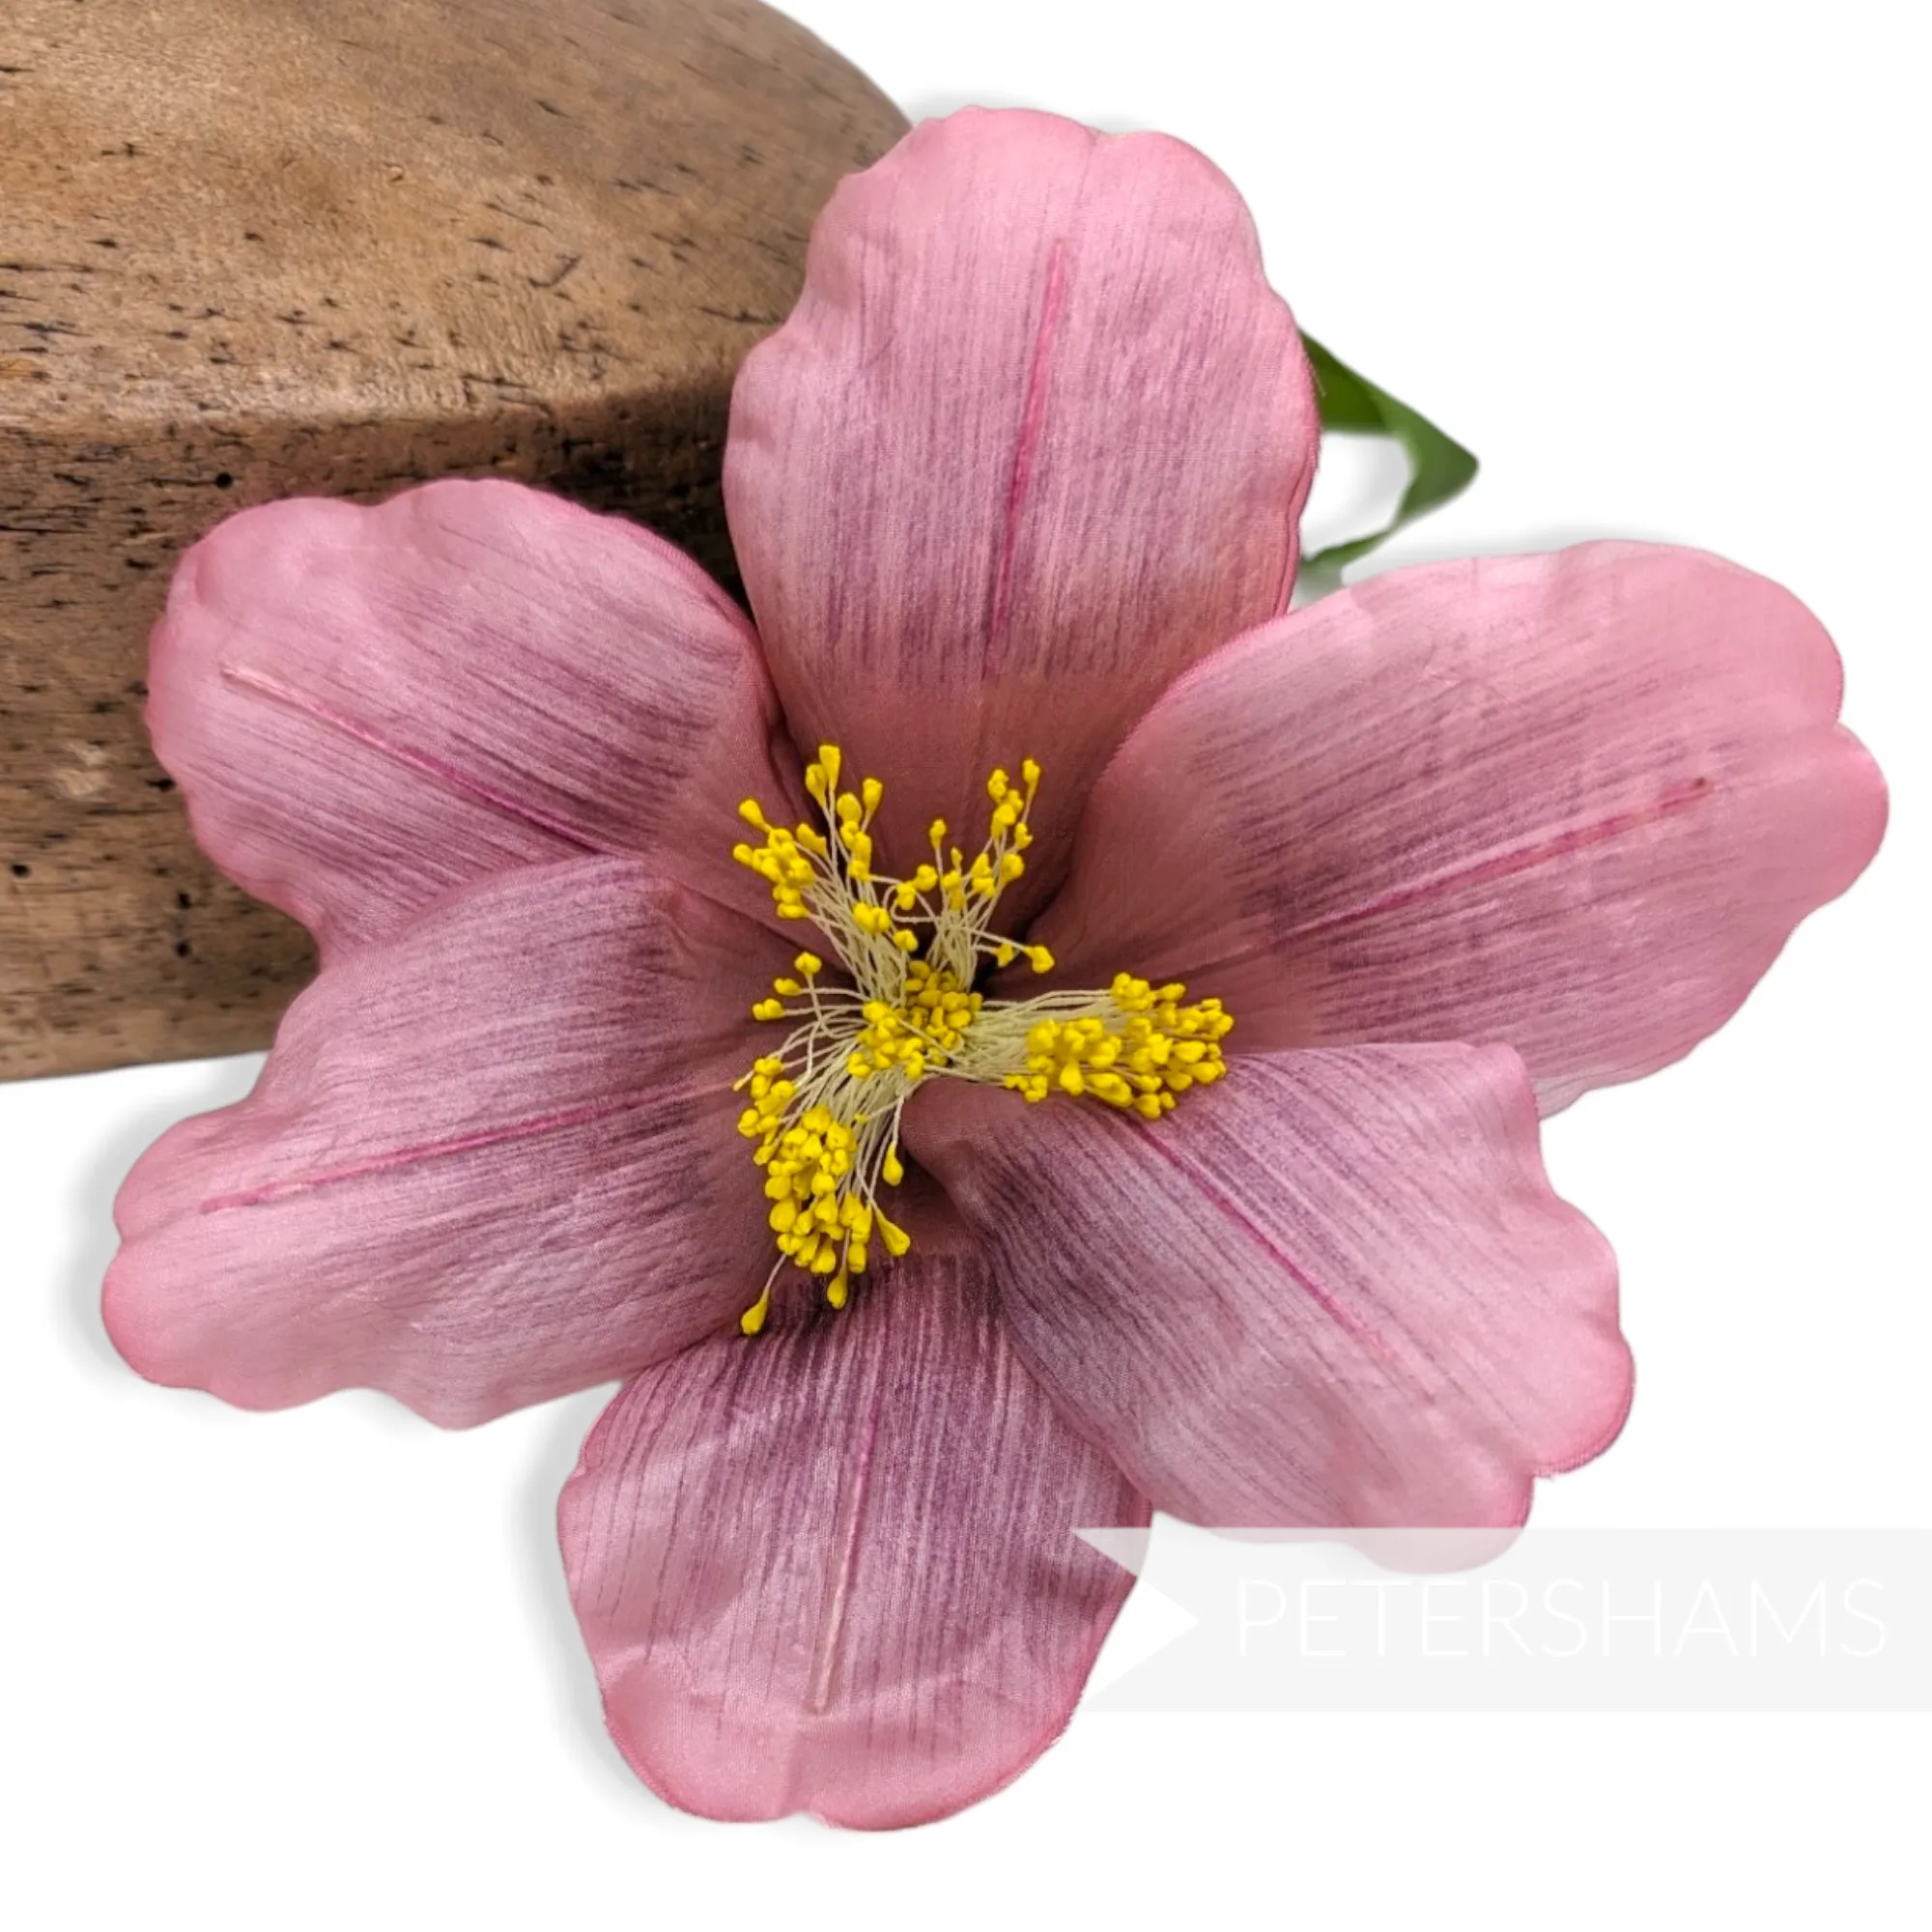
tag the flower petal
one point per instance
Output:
(491, 1159)
(1332, 1291)
(833, 1569)
(1575, 803)
(1036, 438)
(365, 707)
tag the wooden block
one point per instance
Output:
(256, 249)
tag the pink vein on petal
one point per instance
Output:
(826, 1659)
(1028, 443)
(1234, 1210)
(409, 1156)
(1504, 865)
(352, 727)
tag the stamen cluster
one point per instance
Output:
(824, 1108)
(1160, 1048)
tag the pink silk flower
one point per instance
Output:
(1021, 476)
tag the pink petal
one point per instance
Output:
(833, 1569)
(1333, 1290)
(1036, 438)
(491, 1158)
(1575, 803)
(366, 706)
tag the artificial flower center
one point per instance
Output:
(825, 1104)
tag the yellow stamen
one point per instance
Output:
(823, 1110)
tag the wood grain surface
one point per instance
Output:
(258, 249)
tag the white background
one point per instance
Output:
(1659, 264)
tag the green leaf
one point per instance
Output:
(1439, 468)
